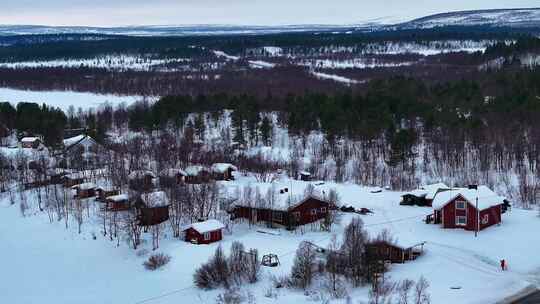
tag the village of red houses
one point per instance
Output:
(438, 228)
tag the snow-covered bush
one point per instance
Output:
(157, 261)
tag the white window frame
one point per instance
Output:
(313, 212)
(485, 219)
(463, 217)
(323, 209)
(461, 202)
(207, 236)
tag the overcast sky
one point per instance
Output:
(243, 12)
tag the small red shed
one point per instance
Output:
(456, 208)
(206, 232)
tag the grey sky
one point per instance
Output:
(244, 12)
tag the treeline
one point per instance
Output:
(46, 47)
(31, 118)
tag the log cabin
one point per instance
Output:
(198, 175)
(141, 180)
(119, 202)
(171, 177)
(223, 171)
(457, 208)
(85, 190)
(393, 252)
(152, 208)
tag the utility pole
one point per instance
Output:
(477, 211)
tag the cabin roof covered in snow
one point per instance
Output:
(222, 167)
(428, 191)
(140, 174)
(85, 186)
(118, 198)
(85, 139)
(172, 172)
(155, 199)
(206, 226)
(29, 139)
(276, 198)
(195, 170)
(486, 197)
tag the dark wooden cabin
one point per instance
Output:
(119, 202)
(381, 250)
(305, 176)
(85, 190)
(171, 177)
(223, 171)
(141, 180)
(152, 208)
(104, 192)
(198, 175)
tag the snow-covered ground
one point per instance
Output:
(46, 263)
(334, 77)
(64, 99)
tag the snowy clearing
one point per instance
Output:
(64, 99)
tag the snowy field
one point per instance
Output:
(64, 99)
(46, 263)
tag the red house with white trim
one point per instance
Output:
(206, 232)
(456, 208)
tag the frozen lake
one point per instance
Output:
(64, 99)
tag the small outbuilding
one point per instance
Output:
(198, 175)
(85, 190)
(152, 208)
(171, 177)
(141, 180)
(118, 202)
(223, 171)
(393, 252)
(206, 232)
(424, 195)
(30, 142)
(103, 192)
(305, 176)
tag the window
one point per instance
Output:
(485, 219)
(461, 205)
(461, 220)
(313, 211)
(207, 236)
(323, 209)
(296, 215)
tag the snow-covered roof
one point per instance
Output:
(29, 139)
(206, 226)
(118, 198)
(155, 199)
(432, 189)
(172, 172)
(140, 174)
(486, 197)
(73, 140)
(84, 186)
(195, 170)
(222, 167)
(305, 173)
(428, 191)
(280, 197)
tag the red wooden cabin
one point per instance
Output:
(393, 252)
(153, 208)
(171, 177)
(206, 232)
(457, 208)
(223, 171)
(198, 175)
(85, 190)
(118, 202)
(286, 210)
